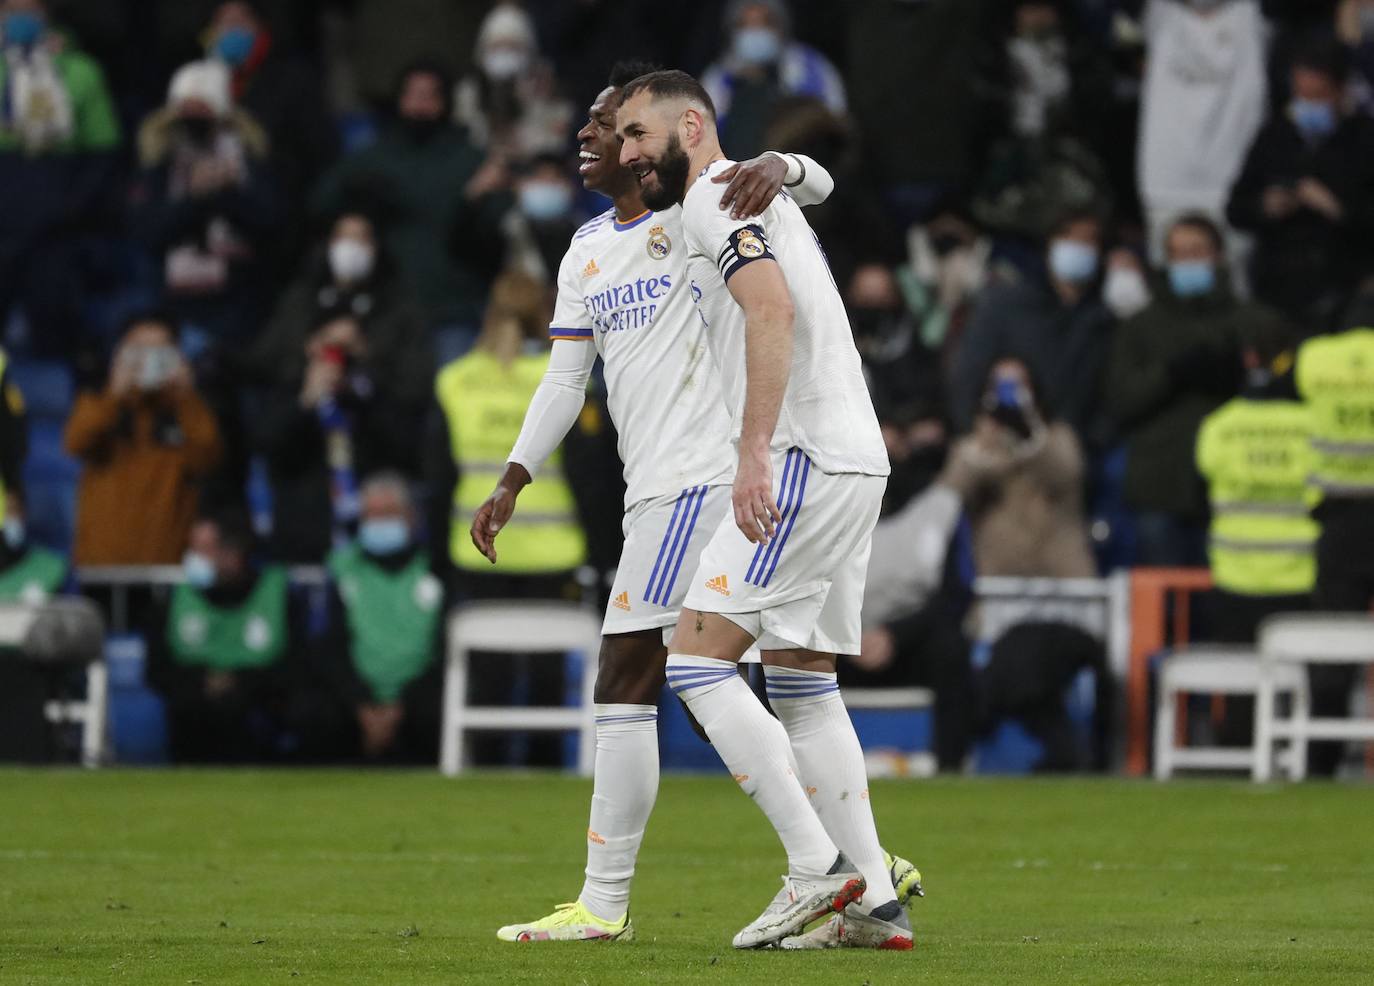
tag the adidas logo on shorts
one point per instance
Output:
(719, 584)
(622, 601)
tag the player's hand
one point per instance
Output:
(494, 513)
(756, 512)
(752, 185)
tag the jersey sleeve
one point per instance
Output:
(570, 317)
(732, 243)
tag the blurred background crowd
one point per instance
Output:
(260, 258)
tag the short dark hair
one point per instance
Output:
(625, 72)
(671, 83)
(1071, 216)
(1202, 222)
(1320, 52)
(233, 525)
(156, 316)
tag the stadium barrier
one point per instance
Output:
(120, 580)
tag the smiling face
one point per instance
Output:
(652, 149)
(599, 148)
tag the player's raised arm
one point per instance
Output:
(761, 290)
(751, 186)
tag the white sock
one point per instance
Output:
(623, 790)
(809, 706)
(754, 747)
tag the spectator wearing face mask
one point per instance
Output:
(900, 369)
(947, 268)
(206, 204)
(763, 65)
(1202, 103)
(222, 650)
(146, 441)
(425, 183)
(58, 138)
(1307, 192)
(380, 652)
(1054, 322)
(351, 275)
(510, 105)
(544, 219)
(1171, 365)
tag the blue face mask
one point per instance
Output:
(757, 45)
(14, 533)
(384, 535)
(545, 200)
(1192, 278)
(1072, 261)
(23, 28)
(198, 570)
(1315, 120)
(235, 44)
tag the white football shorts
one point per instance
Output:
(805, 588)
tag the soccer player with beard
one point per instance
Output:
(622, 294)
(787, 570)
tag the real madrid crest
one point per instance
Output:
(659, 245)
(748, 245)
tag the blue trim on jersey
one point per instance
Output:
(666, 592)
(560, 332)
(667, 535)
(592, 225)
(791, 521)
(644, 217)
(782, 493)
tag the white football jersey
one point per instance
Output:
(826, 410)
(622, 287)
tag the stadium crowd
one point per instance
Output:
(277, 275)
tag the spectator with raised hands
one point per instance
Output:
(146, 441)
(1307, 191)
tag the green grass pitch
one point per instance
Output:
(211, 877)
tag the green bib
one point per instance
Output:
(34, 578)
(391, 618)
(251, 635)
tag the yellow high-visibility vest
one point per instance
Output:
(1256, 457)
(484, 402)
(1335, 376)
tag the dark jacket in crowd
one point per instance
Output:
(400, 356)
(1171, 365)
(1064, 347)
(415, 183)
(211, 248)
(1305, 263)
(914, 85)
(384, 431)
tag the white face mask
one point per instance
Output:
(1124, 291)
(350, 261)
(504, 63)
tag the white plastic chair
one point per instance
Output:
(517, 627)
(1214, 670)
(1294, 640)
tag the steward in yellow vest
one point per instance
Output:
(1335, 378)
(483, 396)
